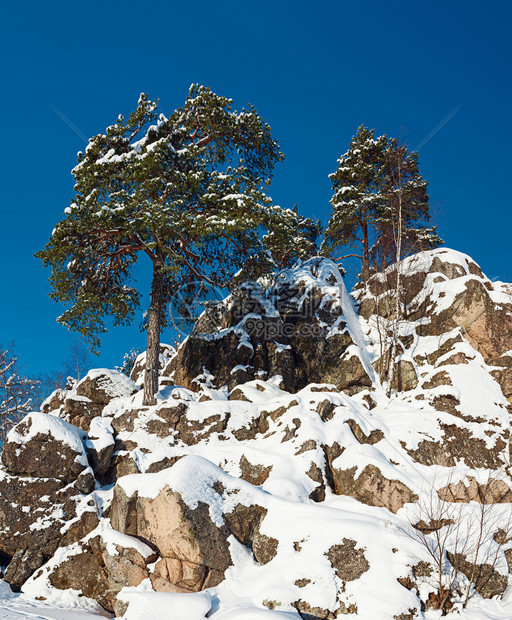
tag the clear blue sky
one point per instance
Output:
(315, 71)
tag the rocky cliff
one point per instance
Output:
(274, 472)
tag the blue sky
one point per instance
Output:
(315, 71)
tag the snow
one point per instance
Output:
(165, 605)
(100, 434)
(58, 429)
(115, 383)
(256, 614)
(305, 529)
(112, 538)
(64, 605)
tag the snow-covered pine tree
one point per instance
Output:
(358, 185)
(290, 236)
(187, 190)
(364, 203)
(405, 186)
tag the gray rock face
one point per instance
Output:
(44, 446)
(32, 514)
(102, 386)
(295, 331)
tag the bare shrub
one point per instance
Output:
(464, 543)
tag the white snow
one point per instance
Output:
(165, 605)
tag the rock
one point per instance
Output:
(326, 409)
(487, 324)
(280, 332)
(243, 522)
(405, 377)
(183, 576)
(79, 529)
(22, 565)
(372, 488)
(100, 446)
(125, 568)
(44, 446)
(80, 411)
(179, 532)
(374, 437)
(54, 401)
(312, 612)
(491, 492)
(255, 474)
(102, 386)
(162, 464)
(315, 473)
(33, 516)
(459, 444)
(101, 567)
(487, 581)
(348, 562)
(264, 547)
(84, 571)
(503, 373)
(121, 464)
(126, 420)
(439, 378)
(166, 353)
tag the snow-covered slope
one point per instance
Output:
(274, 478)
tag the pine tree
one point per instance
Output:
(290, 236)
(405, 192)
(358, 186)
(365, 203)
(188, 191)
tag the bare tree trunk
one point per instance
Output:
(398, 245)
(153, 343)
(365, 272)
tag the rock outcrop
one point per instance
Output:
(273, 460)
(297, 330)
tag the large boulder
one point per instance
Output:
(35, 516)
(189, 542)
(102, 385)
(371, 487)
(445, 289)
(99, 567)
(297, 330)
(44, 446)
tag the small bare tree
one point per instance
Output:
(78, 361)
(464, 542)
(16, 391)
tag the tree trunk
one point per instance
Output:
(153, 344)
(397, 317)
(365, 272)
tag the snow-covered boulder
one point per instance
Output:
(99, 567)
(103, 385)
(303, 329)
(445, 290)
(44, 446)
(279, 475)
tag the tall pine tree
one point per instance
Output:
(358, 186)
(366, 185)
(405, 215)
(187, 190)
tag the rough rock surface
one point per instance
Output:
(44, 446)
(296, 330)
(274, 462)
